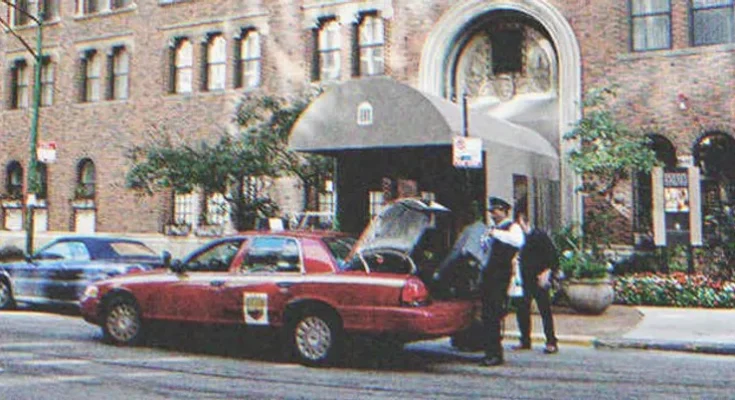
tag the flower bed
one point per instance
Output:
(674, 290)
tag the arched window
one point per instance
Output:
(713, 154)
(248, 75)
(86, 176)
(14, 180)
(183, 66)
(216, 62)
(666, 155)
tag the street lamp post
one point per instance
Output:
(32, 182)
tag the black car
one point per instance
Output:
(58, 273)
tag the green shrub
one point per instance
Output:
(674, 290)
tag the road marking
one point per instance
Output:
(142, 360)
(35, 380)
(16, 355)
(56, 362)
(30, 345)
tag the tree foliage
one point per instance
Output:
(227, 164)
(608, 151)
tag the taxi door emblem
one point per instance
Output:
(255, 308)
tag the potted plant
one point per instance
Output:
(587, 284)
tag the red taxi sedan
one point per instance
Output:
(316, 287)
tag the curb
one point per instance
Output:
(574, 340)
(680, 346)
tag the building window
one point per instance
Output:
(92, 76)
(217, 209)
(86, 180)
(117, 4)
(507, 51)
(184, 204)
(47, 82)
(20, 85)
(120, 73)
(712, 22)
(216, 63)
(377, 203)
(183, 67)
(14, 180)
(713, 154)
(371, 43)
(329, 49)
(364, 114)
(42, 175)
(249, 61)
(650, 24)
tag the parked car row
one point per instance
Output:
(313, 288)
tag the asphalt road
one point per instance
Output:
(55, 356)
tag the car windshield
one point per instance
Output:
(340, 247)
(131, 249)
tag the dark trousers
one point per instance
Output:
(494, 309)
(532, 291)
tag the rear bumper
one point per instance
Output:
(435, 320)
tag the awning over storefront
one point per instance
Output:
(374, 113)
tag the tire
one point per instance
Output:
(316, 337)
(6, 296)
(122, 324)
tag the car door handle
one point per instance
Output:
(218, 283)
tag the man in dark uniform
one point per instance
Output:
(504, 238)
(539, 260)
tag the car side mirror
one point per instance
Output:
(176, 266)
(166, 257)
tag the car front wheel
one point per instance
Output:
(6, 296)
(316, 337)
(122, 321)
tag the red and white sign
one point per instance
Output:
(466, 152)
(46, 152)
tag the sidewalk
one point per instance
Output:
(658, 328)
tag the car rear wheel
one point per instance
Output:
(6, 296)
(122, 322)
(316, 337)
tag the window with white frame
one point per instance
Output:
(183, 67)
(216, 62)
(250, 58)
(371, 42)
(329, 50)
(97, 6)
(20, 87)
(712, 22)
(120, 73)
(47, 82)
(217, 209)
(21, 11)
(184, 207)
(377, 202)
(326, 199)
(92, 77)
(651, 24)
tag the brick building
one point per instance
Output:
(117, 71)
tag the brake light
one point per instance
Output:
(414, 293)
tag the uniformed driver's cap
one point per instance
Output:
(497, 203)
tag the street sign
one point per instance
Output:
(46, 152)
(466, 152)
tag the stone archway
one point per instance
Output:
(440, 49)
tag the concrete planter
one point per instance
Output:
(589, 296)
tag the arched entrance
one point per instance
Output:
(458, 30)
(643, 189)
(713, 154)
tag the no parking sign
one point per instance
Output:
(466, 152)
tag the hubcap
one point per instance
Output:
(123, 323)
(313, 338)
